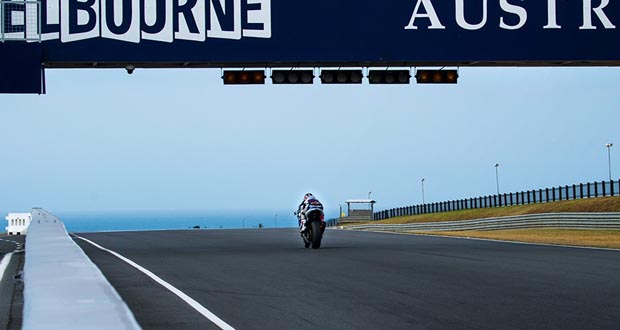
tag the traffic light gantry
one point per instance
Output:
(340, 76)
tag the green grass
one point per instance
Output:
(601, 204)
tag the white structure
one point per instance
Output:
(18, 223)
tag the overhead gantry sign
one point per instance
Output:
(305, 34)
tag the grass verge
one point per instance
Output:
(590, 238)
(601, 204)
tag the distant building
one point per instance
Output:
(359, 210)
(18, 223)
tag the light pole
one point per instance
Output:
(423, 202)
(609, 145)
(370, 192)
(275, 221)
(497, 178)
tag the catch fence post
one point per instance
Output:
(567, 193)
(604, 190)
(528, 197)
(546, 194)
(611, 187)
(588, 189)
(511, 203)
(581, 190)
(540, 196)
(595, 189)
(574, 192)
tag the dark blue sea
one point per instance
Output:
(162, 220)
(159, 220)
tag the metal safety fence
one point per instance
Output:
(575, 191)
(547, 220)
(20, 20)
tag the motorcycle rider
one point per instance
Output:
(309, 202)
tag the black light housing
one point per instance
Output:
(292, 77)
(341, 76)
(436, 76)
(389, 76)
(244, 77)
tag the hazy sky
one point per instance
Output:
(179, 139)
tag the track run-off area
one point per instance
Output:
(265, 279)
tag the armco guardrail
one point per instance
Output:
(549, 220)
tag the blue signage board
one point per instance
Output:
(213, 33)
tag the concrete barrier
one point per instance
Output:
(547, 220)
(63, 289)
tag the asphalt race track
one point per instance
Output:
(265, 279)
(10, 244)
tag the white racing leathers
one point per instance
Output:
(305, 207)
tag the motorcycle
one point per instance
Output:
(315, 227)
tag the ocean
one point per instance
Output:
(94, 221)
(158, 220)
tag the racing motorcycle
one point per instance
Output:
(315, 227)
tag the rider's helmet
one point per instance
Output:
(308, 196)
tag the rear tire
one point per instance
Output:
(315, 226)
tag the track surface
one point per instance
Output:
(265, 279)
(10, 244)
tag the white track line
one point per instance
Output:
(189, 300)
(4, 264)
